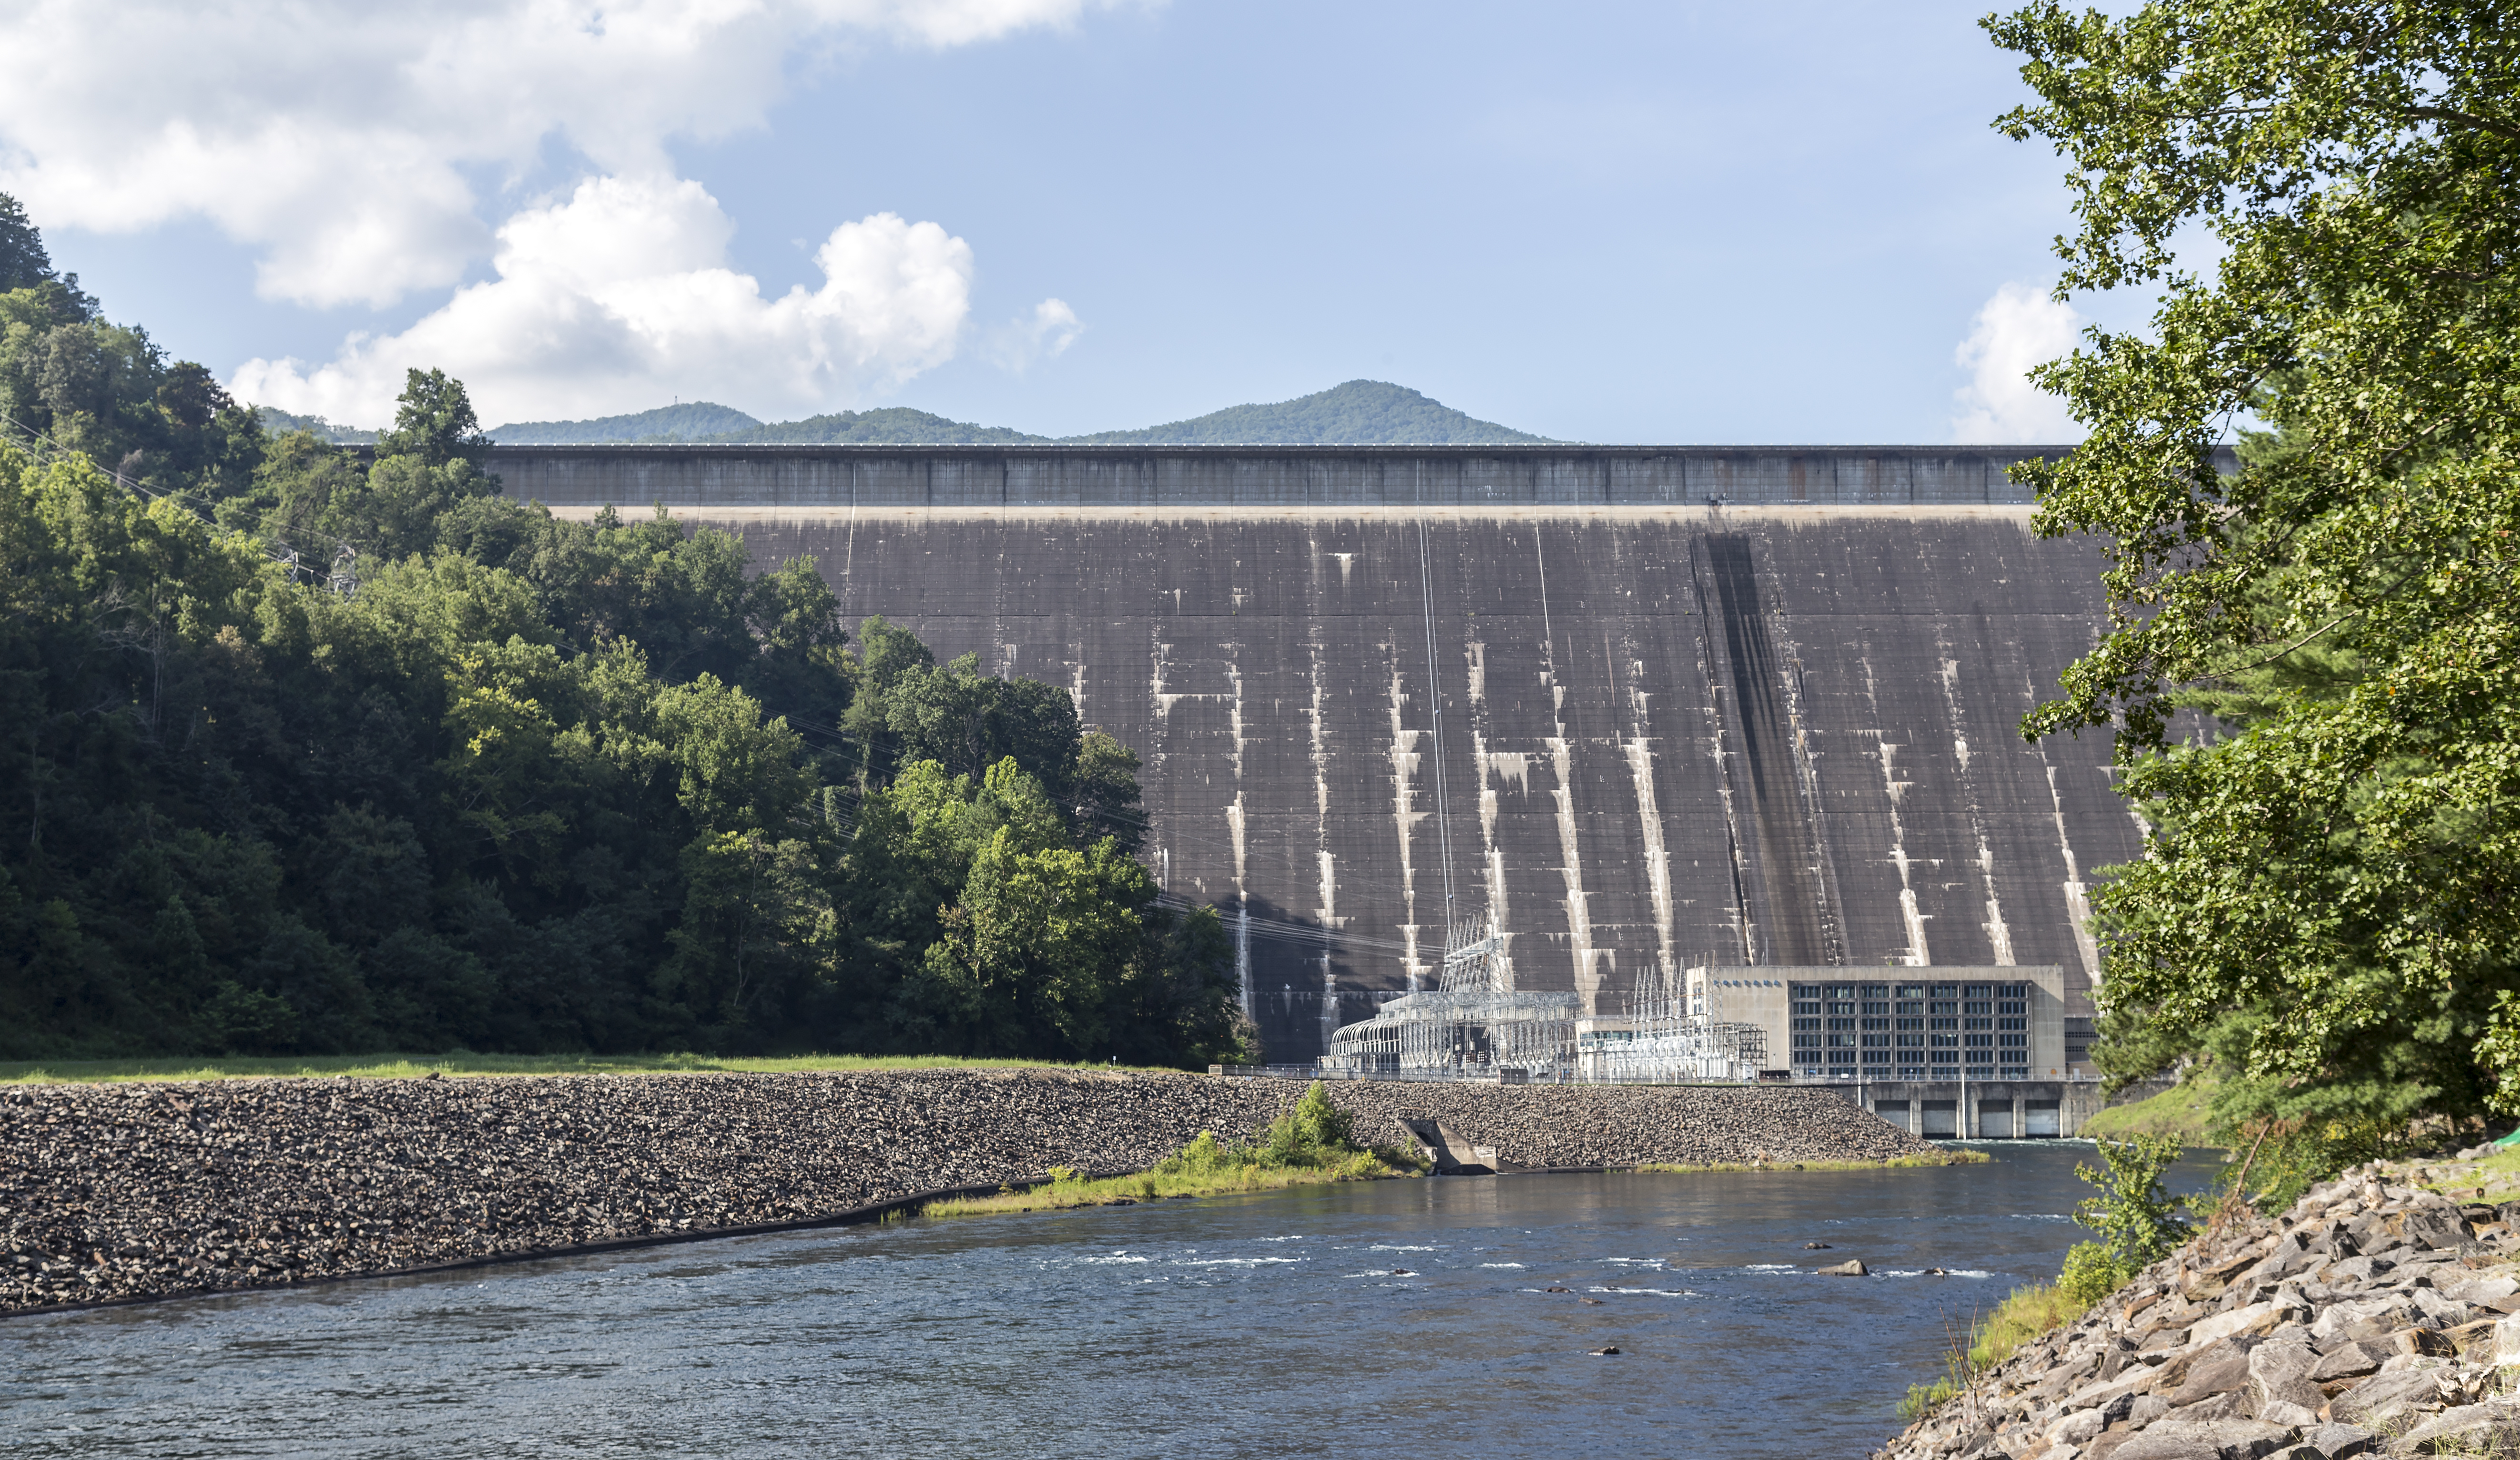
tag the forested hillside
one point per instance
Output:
(307, 755)
(1357, 413)
(890, 426)
(684, 420)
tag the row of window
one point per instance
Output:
(1943, 1007)
(1911, 1042)
(1910, 990)
(1920, 1073)
(1915, 1024)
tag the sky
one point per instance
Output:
(1623, 223)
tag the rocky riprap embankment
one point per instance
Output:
(125, 1190)
(2371, 1319)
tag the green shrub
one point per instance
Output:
(1314, 1133)
(2092, 1273)
(2137, 1218)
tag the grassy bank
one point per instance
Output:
(1069, 1189)
(1926, 1158)
(2024, 1314)
(415, 1066)
(2496, 1178)
(2179, 1110)
(1311, 1144)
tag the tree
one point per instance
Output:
(2340, 863)
(435, 422)
(24, 262)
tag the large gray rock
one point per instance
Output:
(2383, 1397)
(2079, 1428)
(2281, 1373)
(2469, 1430)
(2352, 1360)
(2212, 1440)
(2435, 1227)
(2337, 1442)
(2219, 1370)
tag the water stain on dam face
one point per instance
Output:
(1672, 734)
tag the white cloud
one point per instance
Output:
(2020, 326)
(339, 137)
(1043, 334)
(619, 297)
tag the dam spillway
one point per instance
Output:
(1773, 728)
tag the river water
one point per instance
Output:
(1384, 1318)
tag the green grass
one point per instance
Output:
(2179, 1110)
(2024, 1314)
(1932, 1159)
(1071, 1190)
(2496, 1178)
(413, 1066)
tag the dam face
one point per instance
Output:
(1778, 731)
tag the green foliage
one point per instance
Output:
(2024, 1314)
(107, 391)
(434, 423)
(2092, 1273)
(280, 422)
(24, 263)
(535, 786)
(2334, 864)
(2136, 1217)
(1313, 1130)
(1315, 1135)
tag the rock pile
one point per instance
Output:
(128, 1190)
(2371, 1319)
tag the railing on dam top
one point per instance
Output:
(1018, 477)
(1477, 1077)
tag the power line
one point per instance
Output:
(340, 575)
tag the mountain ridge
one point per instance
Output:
(1355, 413)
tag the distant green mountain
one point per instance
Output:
(1356, 414)
(281, 423)
(692, 420)
(893, 425)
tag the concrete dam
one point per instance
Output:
(1704, 705)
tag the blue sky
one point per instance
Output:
(1606, 222)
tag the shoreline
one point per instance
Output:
(914, 1207)
(2376, 1314)
(111, 1192)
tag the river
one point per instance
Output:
(1384, 1318)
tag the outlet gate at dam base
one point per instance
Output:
(1692, 724)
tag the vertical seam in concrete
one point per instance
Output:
(1404, 765)
(1910, 914)
(1999, 935)
(1807, 777)
(1723, 790)
(2078, 904)
(1561, 757)
(1233, 822)
(1491, 855)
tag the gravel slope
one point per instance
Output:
(126, 1190)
